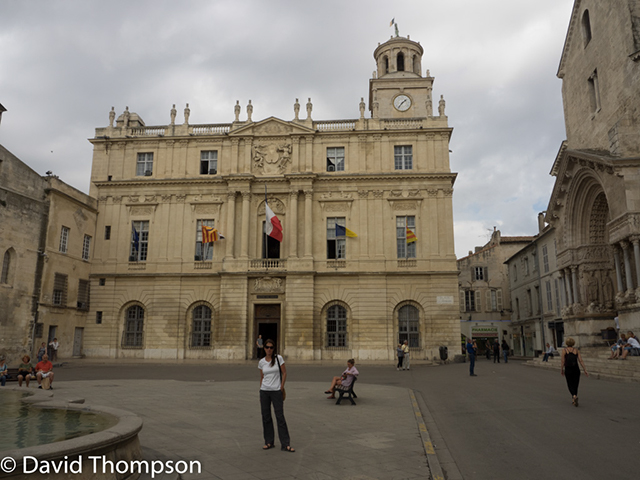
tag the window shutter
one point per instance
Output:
(473, 274)
(478, 303)
(499, 299)
(487, 297)
(462, 301)
(486, 274)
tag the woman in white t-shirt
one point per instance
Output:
(273, 375)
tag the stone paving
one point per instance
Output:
(219, 425)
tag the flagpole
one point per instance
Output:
(264, 234)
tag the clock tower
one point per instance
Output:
(398, 89)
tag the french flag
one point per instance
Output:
(272, 226)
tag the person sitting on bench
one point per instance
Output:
(44, 369)
(345, 381)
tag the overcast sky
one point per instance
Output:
(63, 64)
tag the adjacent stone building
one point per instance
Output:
(536, 296)
(159, 292)
(484, 289)
(45, 242)
(595, 203)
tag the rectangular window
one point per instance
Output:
(594, 92)
(479, 273)
(404, 249)
(102, 282)
(529, 303)
(545, 259)
(555, 282)
(144, 166)
(403, 157)
(549, 297)
(98, 318)
(538, 300)
(59, 289)
(515, 273)
(336, 244)
(107, 232)
(209, 162)
(83, 294)
(494, 301)
(203, 251)
(470, 301)
(86, 247)
(64, 239)
(335, 159)
(139, 241)
(526, 266)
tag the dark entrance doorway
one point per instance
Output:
(267, 322)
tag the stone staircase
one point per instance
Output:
(598, 365)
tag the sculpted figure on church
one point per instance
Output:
(592, 289)
(236, 110)
(607, 290)
(296, 110)
(271, 158)
(112, 116)
(309, 109)
(174, 112)
(187, 112)
(249, 111)
(441, 106)
(127, 115)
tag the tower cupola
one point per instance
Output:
(399, 57)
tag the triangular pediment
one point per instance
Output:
(270, 127)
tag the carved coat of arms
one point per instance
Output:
(271, 158)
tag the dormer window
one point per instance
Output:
(586, 27)
(400, 61)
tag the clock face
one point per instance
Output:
(402, 102)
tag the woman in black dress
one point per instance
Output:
(569, 360)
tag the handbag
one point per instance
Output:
(284, 392)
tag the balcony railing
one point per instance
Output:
(219, 129)
(407, 263)
(202, 265)
(268, 264)
(147, 131)
(336, 264)
(329, 125)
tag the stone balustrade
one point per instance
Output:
(332, 125)
(217, 129)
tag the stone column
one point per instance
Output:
(636, 256)
(616, 258)
(293, 223)
(627, 265)
(231, 210)
(567, 276)
(244, 240)
(309, 154)
(574, 282)
(563, 293)
(308, 223)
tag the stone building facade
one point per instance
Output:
(158, 292)
(536, 294)
(595, 203)
(45, 242)
(485, 301)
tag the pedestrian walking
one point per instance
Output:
(505, 350)
(400, 354)
(496, 351)
(569, 359)
(471, 352)
(407, 357)
(273, 375)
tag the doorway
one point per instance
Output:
(266, 323)
(77, 342)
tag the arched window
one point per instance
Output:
(133, 327)
(386, 65)
(586, 28)
(408, 326)
(400, 62)
(6, 267)
(201, 327)
(336, 326)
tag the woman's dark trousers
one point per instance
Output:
(266, 399)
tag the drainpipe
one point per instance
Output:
(37, 284)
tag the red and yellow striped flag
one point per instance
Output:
(411, 237)
(209, 234)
